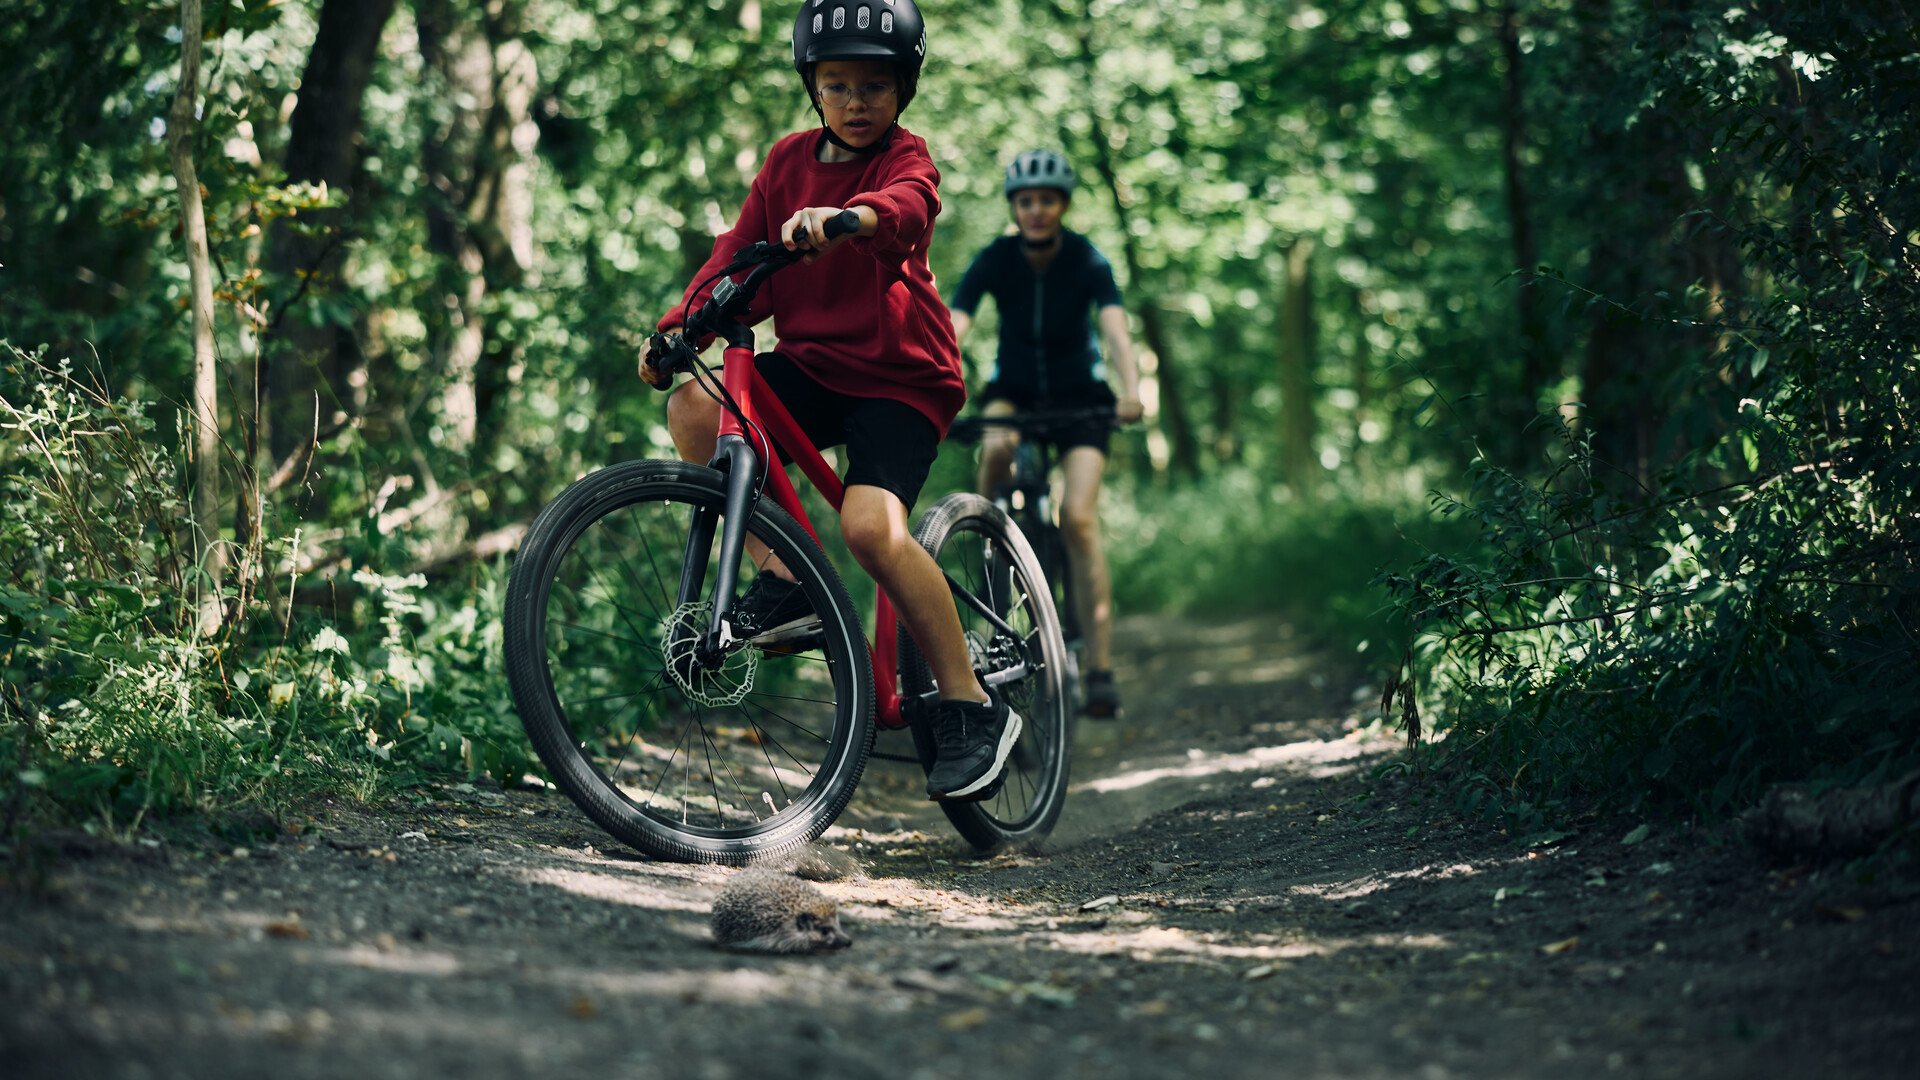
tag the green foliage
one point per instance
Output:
(117, 704)
(1721, 302)
(1237, 543)
(1751, 617)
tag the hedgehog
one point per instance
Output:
(763, 911)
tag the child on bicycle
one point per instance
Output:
(1043, 279)
(867, 356)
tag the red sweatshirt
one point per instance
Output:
(865, 319)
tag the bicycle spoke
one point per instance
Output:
(797, 726)
(602, 633)
(627, 746)
(713, 777)
(653, 619)
(764, 737)
(666, 769)
(790, 697)
(658, 580)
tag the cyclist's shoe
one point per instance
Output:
(972, 743)
(1103, 698)
(773, 610)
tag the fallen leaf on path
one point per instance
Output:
(965, 1019)
(1638, 834)
(582, 1007)
(1555, 948)
(288, 930)
(1260, 972)
(923, 980)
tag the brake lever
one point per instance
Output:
(752, 255)
(671, 355)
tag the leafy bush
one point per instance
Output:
(1752, 617)
(117, 701)
(1235, 543)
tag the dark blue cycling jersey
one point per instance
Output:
(1048, 348)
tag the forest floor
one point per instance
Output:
(1230, 893)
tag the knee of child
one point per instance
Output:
(1080, 522)
(691, 414)
(868, 535)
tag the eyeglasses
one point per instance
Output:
(840, 95)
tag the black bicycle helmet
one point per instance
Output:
(1039, 169)
(861, 30)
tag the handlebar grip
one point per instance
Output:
(660, 348)
(840, 224)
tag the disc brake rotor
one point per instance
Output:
(713, 685)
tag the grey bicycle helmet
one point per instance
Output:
(861, 30)
(1040, 169)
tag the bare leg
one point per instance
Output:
(1080, 528)
(996, 451)
(874, 522)
(693, 419)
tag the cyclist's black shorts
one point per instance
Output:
(889, 443)
(1094, 433)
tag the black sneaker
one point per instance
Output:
(773, 608)
(972, 741)
(1103, 699)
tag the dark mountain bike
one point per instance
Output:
(691, 741)
(1028, 500)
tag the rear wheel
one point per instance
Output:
(1020, 654)
(718, 759)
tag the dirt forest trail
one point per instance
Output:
(1230, 894)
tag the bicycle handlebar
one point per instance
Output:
(1037, 423)
(731, 298)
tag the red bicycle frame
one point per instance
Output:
(771, 417)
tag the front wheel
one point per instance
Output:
(1018, 651)
(689, 757)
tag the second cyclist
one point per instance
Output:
(1045, 279)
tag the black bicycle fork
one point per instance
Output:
(742, 467)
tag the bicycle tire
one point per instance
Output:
(1051, 549)
(588, 656)
(974, 540)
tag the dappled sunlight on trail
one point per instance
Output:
(1314, 759)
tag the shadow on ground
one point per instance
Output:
(1232, 894)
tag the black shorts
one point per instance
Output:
(890, 444)
(1094, 433)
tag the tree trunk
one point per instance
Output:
(1225, 399)
(308, 360)
(1360, 372)
(480, 218)
(1537, 362)
(1636, 186)
(181, 124)
(1297, 460)
(1184, 445)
